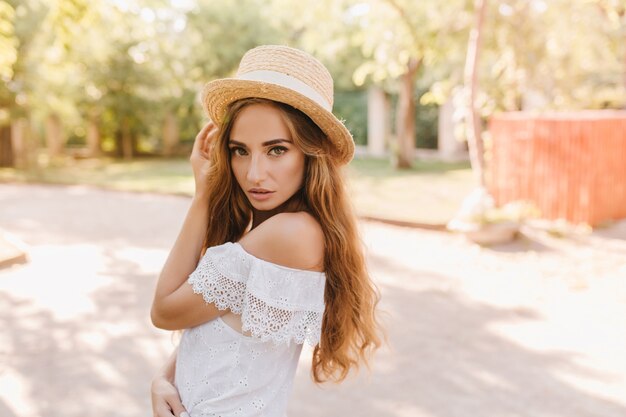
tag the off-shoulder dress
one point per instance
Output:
(222, 372)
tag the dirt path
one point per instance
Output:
(537, 328)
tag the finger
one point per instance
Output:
(210, 140)
(162, 410)
(176, 405)
(205, 144)
(197, 144)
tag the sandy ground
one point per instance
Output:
(535, 328)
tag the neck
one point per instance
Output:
(292, 205)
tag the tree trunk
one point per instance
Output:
(94, 148)
(134, 140)
(404, 148)
(127, 140)
(21, 143)
(473, 123)
(54, 136)
(171, 134)
(6, 147)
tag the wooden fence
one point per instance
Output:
(572, 165)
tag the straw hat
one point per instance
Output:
(289, 76)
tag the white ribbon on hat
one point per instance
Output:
(287, 81)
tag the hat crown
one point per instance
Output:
(292, 63)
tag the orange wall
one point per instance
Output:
(571, 164)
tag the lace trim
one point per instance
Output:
(276, 303)
(280, 325)
(217, 286)
(283, 305)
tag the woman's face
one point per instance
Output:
(267, 165)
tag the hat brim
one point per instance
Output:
(217, 95)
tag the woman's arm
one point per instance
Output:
(165, 397)
(290, 239)
(171, 298)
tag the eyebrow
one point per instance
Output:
(267, 143)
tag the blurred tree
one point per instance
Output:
(222, 32)
(388, 43)
(55, 90)
(393, 41)
(8, 57)
(115, 71)
(18, 25)
(210, 39)
(9, 47)
(474, 128)
(530, 61)
(325, 28)
(615, 13)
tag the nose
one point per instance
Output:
(256, 169)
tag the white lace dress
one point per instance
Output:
(220, 371)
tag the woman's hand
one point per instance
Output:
(165, 399)
(201, 155)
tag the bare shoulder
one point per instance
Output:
(294, 240)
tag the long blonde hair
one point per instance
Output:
(349, 327)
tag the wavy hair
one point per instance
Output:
(350, 330)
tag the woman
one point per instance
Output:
(268, 256)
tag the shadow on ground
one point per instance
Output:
(97, 364)
(445, 359)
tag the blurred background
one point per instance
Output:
(500, 120)
(110, 89)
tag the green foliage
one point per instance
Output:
(8, 41)
(426, 119)
(351, 106)
(114, 62)
(23, 18)
(67, 20)
(8, 57)
(560, 54)
(223, 31)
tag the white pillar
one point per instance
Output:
(377, 121)
(448, 145)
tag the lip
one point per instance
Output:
(260, 194)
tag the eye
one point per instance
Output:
(278, 150)
(239, 151)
